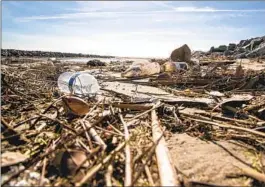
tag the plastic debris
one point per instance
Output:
(80, 83)
(142, 69)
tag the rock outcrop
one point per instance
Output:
(250, 48)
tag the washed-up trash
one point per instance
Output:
(51, 59)
(139, 69)
(181, 65)
(174, 66)
(181, 54)
(150, 68)
(76, 105)
(216, 93)
(80, 83)
(231, 105)
(54, 60)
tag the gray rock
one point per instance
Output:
(240, 50)
(228, 53)
(259, 51)
(241, 55)
(221, 48)
(182, 54)
(231, 46)
(241, 43)
(245, 42)
(255, 43)
(96, 62)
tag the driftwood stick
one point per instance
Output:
(25, 121)
(245, 122)
(13, 131)
(254, 107)
(97, 167)
(210, 116)
(253, 173)
(90, 111)
(60, 122)
(94, 134)
(87, 136)
(146, 112)
(108, 175)
(43, 171)
(166, 171)
(148, 173)
(227, 126)
(111, 132)
(132, 106)
(46, 110)
(128, 168)
(150, 153)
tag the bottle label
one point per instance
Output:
(71, 81)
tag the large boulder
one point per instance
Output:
(255, 43)
(241, 50)
(221, 48)
(258, 52)
(245, 42)
(96, 62)
(181, 54)
(241, 43)
(241, 55)
(228, 53)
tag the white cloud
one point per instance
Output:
(145, 43)
(116, 14)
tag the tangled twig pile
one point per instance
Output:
(120, 140)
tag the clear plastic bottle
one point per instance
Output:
(78, 83)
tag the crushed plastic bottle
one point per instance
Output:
(174, 66)
(78, 83)
(139, 69)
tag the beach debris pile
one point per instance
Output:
(179, 60)
(142, 127)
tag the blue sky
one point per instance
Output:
(128, 28)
